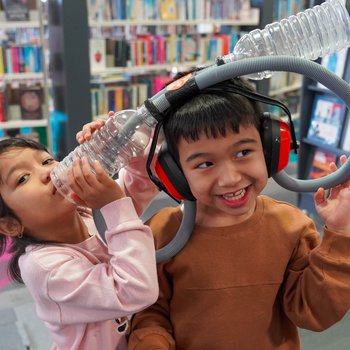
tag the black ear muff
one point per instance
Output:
(276, 141)
(171, 176)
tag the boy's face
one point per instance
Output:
(225, 175)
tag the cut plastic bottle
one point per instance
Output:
(313, 33)
(123, 137)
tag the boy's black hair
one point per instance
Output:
(212, 111)
(15, 245)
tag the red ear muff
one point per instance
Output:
(171, 176)
(276, 141)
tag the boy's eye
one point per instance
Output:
(204, 165)
(243, 153)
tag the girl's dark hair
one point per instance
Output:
(15, 245)
(212, 111)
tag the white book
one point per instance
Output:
(335, 62)
(97, 54)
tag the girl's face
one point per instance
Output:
(26, 187)
(225, 175)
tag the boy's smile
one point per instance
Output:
(225, 175)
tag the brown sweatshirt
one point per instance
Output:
(247, 286)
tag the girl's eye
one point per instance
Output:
(22, 179)
(48, 161)
(204, 165)
(243, 153)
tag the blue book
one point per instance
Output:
(326, 120)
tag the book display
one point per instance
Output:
(24, 86)
(326, 120)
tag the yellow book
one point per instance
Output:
(2, 67)
(167, 9)
(119, 98)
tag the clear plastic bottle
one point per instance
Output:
(123, 137)
(310, 34)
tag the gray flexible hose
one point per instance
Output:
(182, 236)
(216, 74)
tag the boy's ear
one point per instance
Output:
(10, 226)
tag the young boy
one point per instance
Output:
(254, 269)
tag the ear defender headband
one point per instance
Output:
(277, 137)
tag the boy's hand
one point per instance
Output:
(92, 190)
(335, 209)
(89, 128)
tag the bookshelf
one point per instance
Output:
(309, 146)
(157, 40)
(24, 76)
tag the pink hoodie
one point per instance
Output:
(81, 289)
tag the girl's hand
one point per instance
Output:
(89, 128)
(84, 211)
(334, 209)
(92, 190)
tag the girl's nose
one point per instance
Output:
(45, 175)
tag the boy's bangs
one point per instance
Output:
(215, 117)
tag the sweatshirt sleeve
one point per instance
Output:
(316, 291)
(151, 328)
(136, 183)
(79, 291)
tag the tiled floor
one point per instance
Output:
(20, 329)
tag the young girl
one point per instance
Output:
(83, 288)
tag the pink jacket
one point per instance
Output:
(81, 289)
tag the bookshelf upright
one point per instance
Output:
(24, 90)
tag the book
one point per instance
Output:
(2, 105)
(16, 10)
(346, 137)
(31, 101)
(97, 54)
(121, 53)
(160, 82)
(320, 164)
(2, 63)
(167, 9)
(326, 120)
(335, 62)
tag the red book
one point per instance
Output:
(159, 83)
(147, 47)
(160, 49)
(15, 61)
(2, 107)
